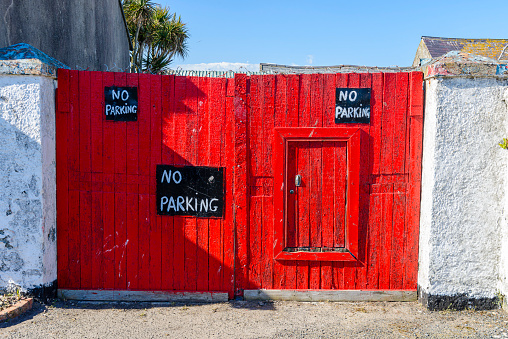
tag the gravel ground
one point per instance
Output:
(241, 319)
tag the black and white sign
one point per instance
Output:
(352, 105)
(121, 103)
(190, 190)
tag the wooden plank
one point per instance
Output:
(144, 207)
(331, 295)
(62, 177)
(108, 197)
(216, 271)
(190, 228)
(376, 122)
(255, 218)
(97, 112)
(316, 177)
(388, 124)
(73, 161)
(280, 118)
(293, 102)
(132, 199)
(203, 156)
(386, 233)
(229, 157)
(120, 161)
(398, 237)
(373, 245)
(240, 184)
(400, 116)
(268, 118)
(303, 168)
(365, 150)
(168, 114)
(142, 296)
(328, 177)
(179, 160)
(415, 158)
(341, 81)
(155, 159)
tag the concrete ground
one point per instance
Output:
(242, 319)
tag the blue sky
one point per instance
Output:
(323, 33)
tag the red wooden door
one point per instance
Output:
(316, 195)
(109, 233)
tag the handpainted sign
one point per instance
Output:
(352, 105)
(121, 103)
(190, 190)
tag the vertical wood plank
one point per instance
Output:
(97, 112)
(74, 196)
(190, 244)
(180, 121)
(386, 233)
(62, 177)
(328, 177)
(268, 117)
(155, 159)
(362, 266)
(168, 114)
(216, 271)
(316, 177)
(144, 207)
(120, 161)
(228, 154)
(203, 155)
(341, 81)
(132, 199)
(376, 122)
(280, 117)
(240, 185)
(415, 158)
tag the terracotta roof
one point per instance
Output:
(491, 48)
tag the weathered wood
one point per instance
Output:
(331, 295)
(121, 295)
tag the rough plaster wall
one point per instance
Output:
(463, 187)
(26, 239)
(503, 269)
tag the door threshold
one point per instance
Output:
(331, 295)
(152, 296)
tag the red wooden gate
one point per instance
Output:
(351, 223)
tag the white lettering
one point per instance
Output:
(115, 95)
(167, 176)
(171, 204)
(342, 95)
(179, 177)
(351, 98)
(188, 206)
(214, 207)
(204, 203)
(180, 200)
(164, 200)
(126, 95)
(108, 108)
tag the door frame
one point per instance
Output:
(284, 135)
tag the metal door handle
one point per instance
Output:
(291, 192)
(298, 180)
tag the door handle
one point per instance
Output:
(298, 180)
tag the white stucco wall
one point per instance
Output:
(27, 178)
(464, 185)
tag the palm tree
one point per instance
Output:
(157, 36)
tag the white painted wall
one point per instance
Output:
(27, 178)
(463, 226)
